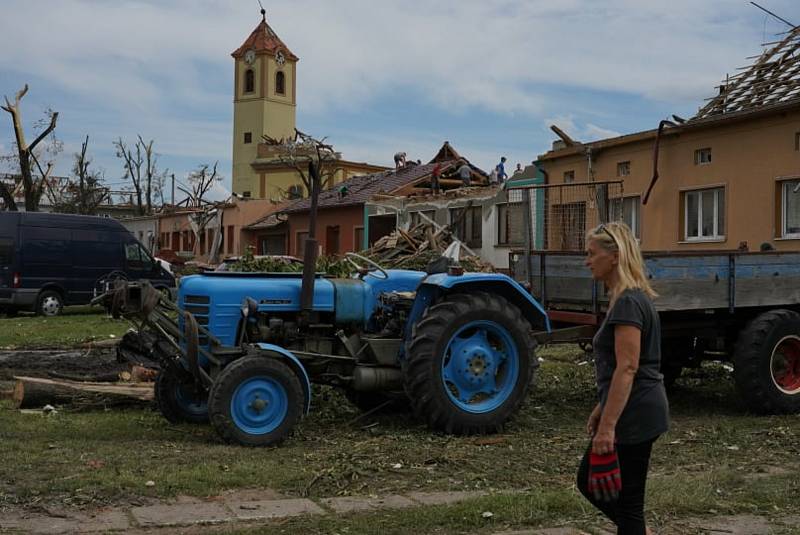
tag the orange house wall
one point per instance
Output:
(749, 158)
(347, 218)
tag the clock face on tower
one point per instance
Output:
(280, 58)
(250, 56)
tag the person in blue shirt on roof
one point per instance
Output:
(501, 170)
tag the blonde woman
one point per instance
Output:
(633, 410)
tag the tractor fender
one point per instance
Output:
(493, 283)
(296, 366)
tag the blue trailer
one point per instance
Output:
(739, 306)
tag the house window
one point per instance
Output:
(569, 176)
(280, 83)
(248, 137)
(702, 156)
(623, 168)
(230, 239)
(466, 225)
(790, 209)
(704, 214)
(511, 223)
(249, 81)
(797, 141)
(246, 194)
(627, 211)
(300, 243)
(417, 219)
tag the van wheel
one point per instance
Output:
(50, 303)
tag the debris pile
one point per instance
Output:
(418, 246)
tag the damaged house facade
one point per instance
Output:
(349, 218)
(728, 178)
(489, 220)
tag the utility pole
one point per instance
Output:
(173, 190)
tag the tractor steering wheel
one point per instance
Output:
(350, 256)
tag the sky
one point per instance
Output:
(374, 77)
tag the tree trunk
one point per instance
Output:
(35, 393)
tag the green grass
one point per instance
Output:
(76, 326)
(702, 466)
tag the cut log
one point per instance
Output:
(36, 392)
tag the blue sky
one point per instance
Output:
(375, 77)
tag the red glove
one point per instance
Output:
(605, 480)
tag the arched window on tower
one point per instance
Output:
(280, 83)
(249, 81)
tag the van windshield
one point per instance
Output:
(6, 251)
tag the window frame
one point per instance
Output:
(624, 168)
(473, 241)
(248, 138)
(637, 214)
(784, 185)
(716, 237)
(430, 214)
(502, 210)
(280, 88)
(698, 156)
(249, 85)
(569, 174)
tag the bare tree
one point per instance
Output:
(84, 192)
(141, 168)
(303, 149)
(32, 187)
(201, 181)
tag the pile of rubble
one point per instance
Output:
(418, 246)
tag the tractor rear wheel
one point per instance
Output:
(179, 399)
(767, 363)
(469, 364)
(256, 401)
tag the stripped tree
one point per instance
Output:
(141, 167)
(32, 186)
(84, 192)
(301, 150)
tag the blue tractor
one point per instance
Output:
(457, 348)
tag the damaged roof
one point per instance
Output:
(772, 79)
(361, 188)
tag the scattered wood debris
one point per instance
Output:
(36, 392)
(416, 247)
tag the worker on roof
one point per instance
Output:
(435, 176)
(502, 176)
(465, 172)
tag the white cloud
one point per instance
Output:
(163, 69)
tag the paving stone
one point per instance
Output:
(253, 510)
(735, 525)
(347, 504)
(177, 515)
(441, 498)
(104, 521)
(47, 524)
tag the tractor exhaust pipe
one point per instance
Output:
(311, 248)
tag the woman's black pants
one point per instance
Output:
(627, 512)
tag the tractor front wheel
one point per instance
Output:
(469, 364)
(179, 399)
(256, 401)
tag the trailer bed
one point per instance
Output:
(684, 281)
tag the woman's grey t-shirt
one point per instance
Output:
(646, 415)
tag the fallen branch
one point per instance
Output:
(35, 392)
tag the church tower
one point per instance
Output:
(264, 103)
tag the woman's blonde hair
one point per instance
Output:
(617, 237)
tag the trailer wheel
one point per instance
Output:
(767, 363)
(675, 353)
(179, 399)
(256, 401)
(469, 364)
